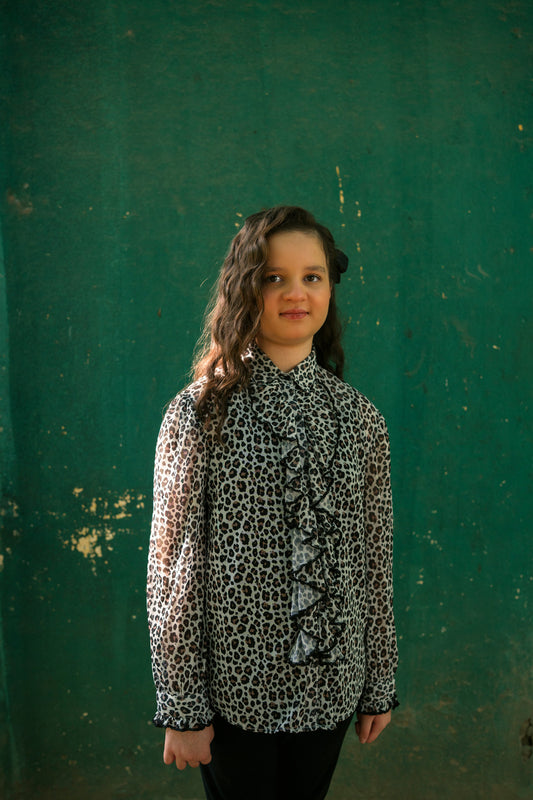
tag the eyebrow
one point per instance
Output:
(310, 269)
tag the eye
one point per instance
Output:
(271, 278)
(313, 278)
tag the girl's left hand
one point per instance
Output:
(369, 726)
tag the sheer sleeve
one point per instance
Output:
(176, 564)
(379, 693)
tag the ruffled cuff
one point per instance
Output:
(378, 698)
(191, 713)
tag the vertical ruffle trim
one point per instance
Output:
(317, 604)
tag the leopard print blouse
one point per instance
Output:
(270, 566)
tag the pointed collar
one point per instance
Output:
(265, 372)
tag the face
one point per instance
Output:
(296, 293)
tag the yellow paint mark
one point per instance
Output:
(94, 540)
(520, 127)
(86, 543)
(89, 542)
(10, 509)
(341, 193)
(122, 504)
(1, 562)
(122, 507)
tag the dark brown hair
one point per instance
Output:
(235, 316)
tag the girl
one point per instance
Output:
(270, 574)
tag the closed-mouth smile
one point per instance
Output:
(294, 313)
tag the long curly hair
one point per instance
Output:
(234, 315)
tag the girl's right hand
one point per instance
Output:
(369, 726)
(188, 747)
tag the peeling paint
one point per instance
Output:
(123, 507)
(87, 543)
(10, 509)
(341, 192)
(95, 537)
(90, 542)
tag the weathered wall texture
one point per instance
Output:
(138, 135)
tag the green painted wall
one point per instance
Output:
(137, 135)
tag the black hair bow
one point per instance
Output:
(341, 264)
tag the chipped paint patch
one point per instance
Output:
(341, 191)
(87, 543)
(94, 539)
(10, 509)
(90, 542)
(122, 507)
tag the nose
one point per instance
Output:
(294, 290)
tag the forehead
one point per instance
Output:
(300, 245)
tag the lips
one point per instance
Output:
(294, 313)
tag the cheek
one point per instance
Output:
(325, 299)
(267, 301)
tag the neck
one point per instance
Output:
(285, 358)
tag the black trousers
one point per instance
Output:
(271, 766)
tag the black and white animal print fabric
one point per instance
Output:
(270, 566)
